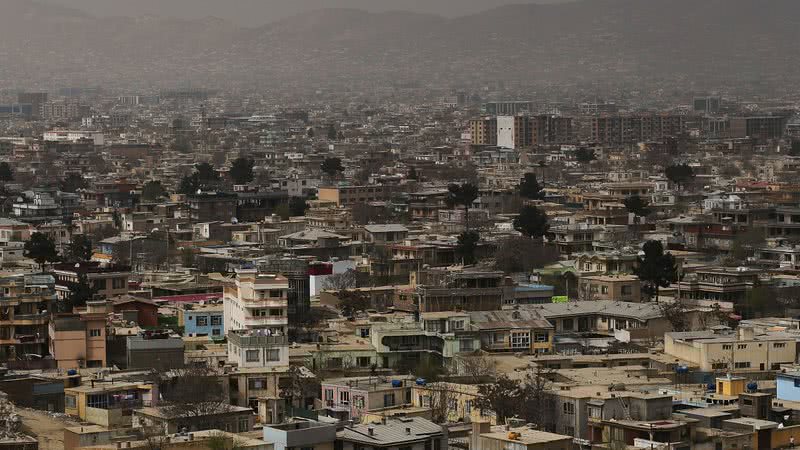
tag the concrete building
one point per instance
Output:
(79, 339)
(108, 404)
(110, 280)
(483, 131)
(235, 419)
(256, 319)
(202, 320)
(96, 137)
(298, 432)
(413, 433)
(486, 437)
(155, 350)
(742, 351)
(626, 288)
(350, 195)
(24, 302)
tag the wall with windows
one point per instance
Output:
(204, 323)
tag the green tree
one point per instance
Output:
(80, 292)
(679, 173)
(532, 222)
(6, 173)
(72, 183)
(656, 269)
(79, 249)
(530, 188)
(520, 254)
(187, 257)
(745, 243)
(41, 248)
(462, 195)
(189, 184)
(332, 167)
(332, 134)
(153, 190)
(206, 173)
(466, 247)
(585, 155)
(297, 206)
(242, 170)
(637, 206)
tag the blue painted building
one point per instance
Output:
(788, 386)
(203, 320)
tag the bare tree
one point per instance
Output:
(476, 367)
(341, 281)
(441, 399)
(192, 392)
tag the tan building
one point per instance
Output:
(24, 302)
(350, 195)
(79, 339)
(107, 404)
(486, 437)
(625, 288)
(483, 131)
(743, 350)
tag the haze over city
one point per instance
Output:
(399, 225)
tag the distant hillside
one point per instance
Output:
(623, 40)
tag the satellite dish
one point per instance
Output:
(77, 265)
(234, 220)
(199, 191)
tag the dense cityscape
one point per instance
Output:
(366, 230)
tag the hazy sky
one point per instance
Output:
(258, 12)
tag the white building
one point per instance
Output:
(256, 319)
(505, 131)
(75, 135)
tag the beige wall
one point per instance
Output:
(704, 355)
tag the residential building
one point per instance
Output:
(413, 433)
(352, 398)
(233, 419)
(157, 350)
(202, 320)
(742, 351)
(108, 404)
(486, 437)
(350, 195)
(24, 304)
(625, 288)
(109, 280)
(483, 131)
(78, 339)
(298, 432)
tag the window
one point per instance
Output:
(567, 324)
(457, 324)
(275, 293)
(719, 366)
(742, 365)
(275, 312)
(202, 321)
(256, 383)
(388, 399)
(273, 354)
(779, 345)
(244, 425)
(328, 394)
(604, 289)
(541, 337)
(216, 320)
(216, 332)
(94, 333)
(118, 283)
(251, 356)
(569, 408)
(741, 346)
(727, 346)
(468, 407)
(465, 345)
(363, 361)
(69, 401)
(344, 397)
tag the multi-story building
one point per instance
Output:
(78, 339)
(45, 205)
(626, 288)
(719, 284)
(634, 128)
(107, 404)
(202, 320)
(35, 99)
(514, 132)
(96, 137)
(352, 398)
(483, 131)
(24, 304)
(548, 129)
(65, 110)
(446, 290)
(210, 207)
(484, 436)
(256, 319)
(721, 349)
(401, 433)
(109, 280)
(758, 127)
(350, 195)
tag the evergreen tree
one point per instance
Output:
(6, 173)
(79, 250)
(242, 170)
(41, 248)
(532, 222)
(530, 188)
(656, 268)
(462, 195)
(153, 190)
(466, 246)
(332, 166)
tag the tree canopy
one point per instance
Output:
(297, 206)
(637, 206)
(532, 222)
(585, 155)
(679, 173)
(189, 184)
(466, 246)
(41, 248)
(6, 173)
(72, 183)
(463, 195)
(530, 188)
(206, 173)
(520, 254)
(242, 170)
(79, 249)
(529, 399)
(80, 292)
(332, 166)
(655, 268)
(153, 190)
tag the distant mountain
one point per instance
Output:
(716, 41)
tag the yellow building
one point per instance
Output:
(107, 404)
(742, 351)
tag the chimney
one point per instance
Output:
(371, 431)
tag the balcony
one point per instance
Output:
(243, 341)
(267, 302)
(262, 321)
